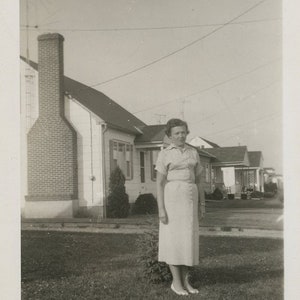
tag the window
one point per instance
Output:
(121, 155)
(142, 165)
(153, 158)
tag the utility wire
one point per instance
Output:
(211, 87)
(176, 51)
(266, 117)
(238, 102)
(152, 28)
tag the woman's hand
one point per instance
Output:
(163, 217)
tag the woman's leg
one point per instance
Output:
(177, 281)
(185, 280)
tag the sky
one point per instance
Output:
(215, 63)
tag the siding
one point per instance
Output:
(89, 153)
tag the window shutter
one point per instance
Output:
(131, 161)
(111, 149)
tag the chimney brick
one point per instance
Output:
(52, 142)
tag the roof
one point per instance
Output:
(254, 158)
(151, 133)
(101, 105)
(229, 155)
(210, 143)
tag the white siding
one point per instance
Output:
(89, 152)
(29, 113)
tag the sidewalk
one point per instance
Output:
(231, 222)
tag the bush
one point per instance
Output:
(230, 196)
(118, 203)
(269, 194)
(270, 187)
(257, 194)
(208, 196)
(145, 204)
(217, 194)
(147, 250)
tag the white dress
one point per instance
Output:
(179, 238)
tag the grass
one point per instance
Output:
(59, 265)
(250, 203)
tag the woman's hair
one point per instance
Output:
(174, 123)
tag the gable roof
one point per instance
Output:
(254, 158)
(152, 133)
(210, 143)
(100, 104)
(225, 156)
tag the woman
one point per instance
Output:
(178, 191)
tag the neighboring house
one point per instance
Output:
(202, 143)
(226, 167)
(252, 177)
(73, 136)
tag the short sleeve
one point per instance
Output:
(161, 164)
(198, 167)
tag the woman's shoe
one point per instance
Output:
(183, 293)
(189, 288)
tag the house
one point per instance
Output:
(73, 136)
(202, 143)
(252, 176)
(227, 167)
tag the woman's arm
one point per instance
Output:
(201, 195)
(160, 185)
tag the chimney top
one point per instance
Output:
(50, 36)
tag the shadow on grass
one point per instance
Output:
(226, 275)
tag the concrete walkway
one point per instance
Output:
(233, 222)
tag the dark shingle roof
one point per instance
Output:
(151, 133)
(254, 158)
(101, 105)
(210, 143)
(234, 155)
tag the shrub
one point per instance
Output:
(147, 249)
(257, 194)
(217, 194)
(244, 196)
(208, 196)
(270, 187)
(118, 203)
(230, 196)
(145, 204)
(269, 194)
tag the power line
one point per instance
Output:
(213, 86)
(152, 28)
(178, 50)
(266, 117)
(235, 135)
(239, 102)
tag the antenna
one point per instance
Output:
(181, 112)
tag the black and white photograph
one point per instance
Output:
(152, 140)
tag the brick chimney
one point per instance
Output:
(52, 142)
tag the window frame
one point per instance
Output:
(116, 145)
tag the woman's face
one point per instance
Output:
(178, 135)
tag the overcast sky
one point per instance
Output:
(217, 63)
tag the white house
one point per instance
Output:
(105, 137)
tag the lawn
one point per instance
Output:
(268, 203)
(60, 265)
